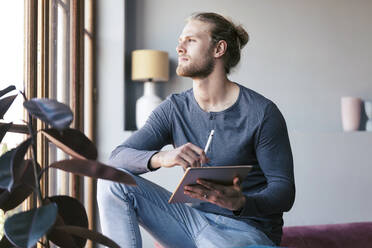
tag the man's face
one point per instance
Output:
(195, 50)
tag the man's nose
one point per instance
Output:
(180, 49)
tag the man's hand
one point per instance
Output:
(230, 197)
(188, 155)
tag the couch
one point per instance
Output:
(354, 235)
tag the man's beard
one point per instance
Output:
(199, 69)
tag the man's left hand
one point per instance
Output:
(230, 197)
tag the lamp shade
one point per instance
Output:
(150, 64)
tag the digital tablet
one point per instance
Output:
(218, 174)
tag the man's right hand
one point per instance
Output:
(187, 155)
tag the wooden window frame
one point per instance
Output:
(38, 68)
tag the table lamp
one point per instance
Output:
(148, 66)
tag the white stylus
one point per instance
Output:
(209, 141)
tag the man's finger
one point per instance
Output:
(189, 160)
(200, 152)
(203, 158)
(195, 148)
(195, 195)
(194, 158)
(210, 185)
(219, 190)
(197, 189)
(183, 163)
(206, 184)
(236, 181)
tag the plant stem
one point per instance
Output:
(34, 160)
(34, 156)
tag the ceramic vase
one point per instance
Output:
(350, 113)
(146, 104)
(368, 110)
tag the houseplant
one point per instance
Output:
(61, 219)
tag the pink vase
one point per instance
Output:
(350, 113)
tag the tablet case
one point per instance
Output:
(218, 174)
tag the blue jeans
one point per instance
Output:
(123, 208)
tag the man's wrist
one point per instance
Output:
(153, 163)
(150, 167)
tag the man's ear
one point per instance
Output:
(220, 49)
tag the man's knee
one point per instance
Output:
(104, 189)
(107, 189)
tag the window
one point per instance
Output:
(43, 54)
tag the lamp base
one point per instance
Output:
(146, 104)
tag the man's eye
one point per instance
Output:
(190, 40)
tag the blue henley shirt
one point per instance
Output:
(252, 132)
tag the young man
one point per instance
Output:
(249, 129)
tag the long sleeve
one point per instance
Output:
(274, 156)
(134, 154)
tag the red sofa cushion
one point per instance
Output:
(355, 235)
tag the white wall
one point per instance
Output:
(304, 55)
(333, 178)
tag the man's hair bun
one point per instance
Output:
(242, 36)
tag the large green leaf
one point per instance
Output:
(7, 89)
(88, 234)
(26, 228)
(5, 104)
(73, 142)
(6, 169)
(18, 167)
(4, 127)
(94, 169)
(53, 113)
(28, 177)
(10, 200)
(72, 212)
(12, 167)
(60, 237)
